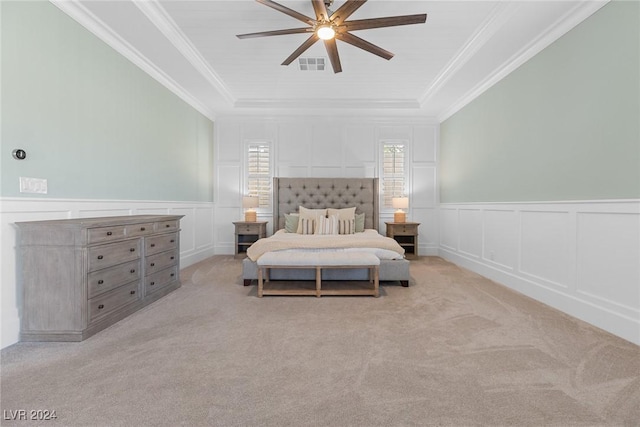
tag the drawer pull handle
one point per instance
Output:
(153, 264)
(153, 245)
(168, 225)
(172, 274)
(132, 292)
(100, 257)
(152, 283)
(142, 228)
(172, 241)
(172, 257)
(100, 282)
(132, 250)
(133, 270)
(101, 306)
(109, 233)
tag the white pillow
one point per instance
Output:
(346, 213)
(327, 225)
(313, 214)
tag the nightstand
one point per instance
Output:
(247, 233)
(406, 234)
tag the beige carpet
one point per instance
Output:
(453, 349)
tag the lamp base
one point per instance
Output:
(399, 216)
(250, 216)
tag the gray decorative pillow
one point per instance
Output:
(359, 223)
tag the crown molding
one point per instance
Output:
(80, 14)
(499, 15)
(167, 26)
(560, 27)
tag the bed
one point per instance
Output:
(328, 193)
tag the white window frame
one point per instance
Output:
(264, 196)
(404, 175)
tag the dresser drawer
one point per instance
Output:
(105, 234)
(106, 279)
(167, 225)
(113, 300)
(114, 253)
(161, 243)
(405, 230)
(160, 261)
(135, 230)
(160, 279)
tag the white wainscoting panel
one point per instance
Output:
(425, 148)
(424, 186)
(608, 256)
(544, 250)
(449, 228)
(500, 237)
(428, 230)
(470, 226)
(581, 257)
(196, 237)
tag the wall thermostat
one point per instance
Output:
(19, 154)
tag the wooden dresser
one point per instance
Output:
(79, 276)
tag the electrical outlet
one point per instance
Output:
(33, 185)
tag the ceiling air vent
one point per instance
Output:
(311, 64)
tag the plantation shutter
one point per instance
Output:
(259, 173)
(393, 172)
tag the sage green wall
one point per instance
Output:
(563, 126)
(93, 124)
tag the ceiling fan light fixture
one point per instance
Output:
(326, 32)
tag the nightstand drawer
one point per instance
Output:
(249, 229)
(405, 230)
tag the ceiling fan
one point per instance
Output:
(329, 26)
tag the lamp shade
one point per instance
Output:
(250, 202)
(400, 202)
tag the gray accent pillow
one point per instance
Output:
(291, 222)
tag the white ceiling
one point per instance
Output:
(462, 49)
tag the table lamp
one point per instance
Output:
(400, 203)
(250, 203)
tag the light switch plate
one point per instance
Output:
(33, 185)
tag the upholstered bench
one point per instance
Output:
(318, 261)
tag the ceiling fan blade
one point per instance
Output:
(390, 21)
(304, 46)
(332, 51)
(275, 33)
(280, 8)
(345, 11)
(365, 45)
(321, 10)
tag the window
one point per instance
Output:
(393, 173)
(259, 172)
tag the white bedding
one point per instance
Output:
(367, 241)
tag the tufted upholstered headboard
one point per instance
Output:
(318, 193)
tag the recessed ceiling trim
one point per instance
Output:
(560, 27)
(96, 26)
(167, 26)
(329, 104)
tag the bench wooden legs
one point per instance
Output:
(374, 276)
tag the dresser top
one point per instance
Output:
(99, 222)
